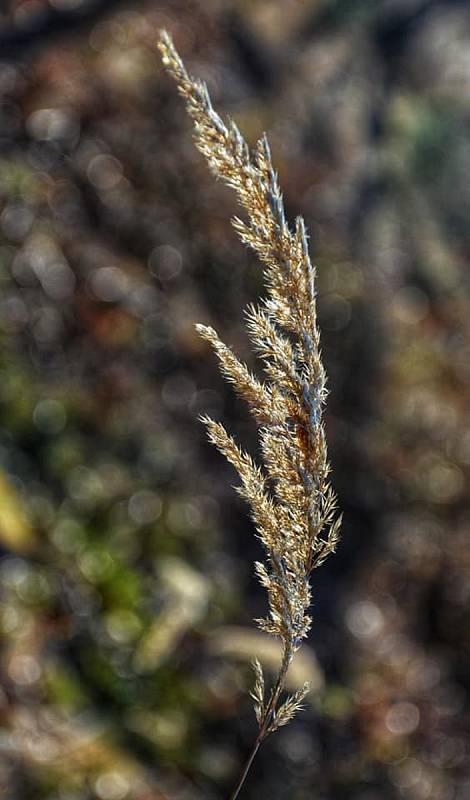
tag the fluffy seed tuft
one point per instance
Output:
(292, 503)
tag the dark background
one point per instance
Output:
(127, 588)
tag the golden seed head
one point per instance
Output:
(292, 504)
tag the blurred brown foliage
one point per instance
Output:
(126, 586)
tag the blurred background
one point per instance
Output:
(127, 589)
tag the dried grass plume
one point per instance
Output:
(291, 500)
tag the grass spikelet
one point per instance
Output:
(292, 503)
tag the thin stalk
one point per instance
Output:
(248, 764)
(267, 717)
